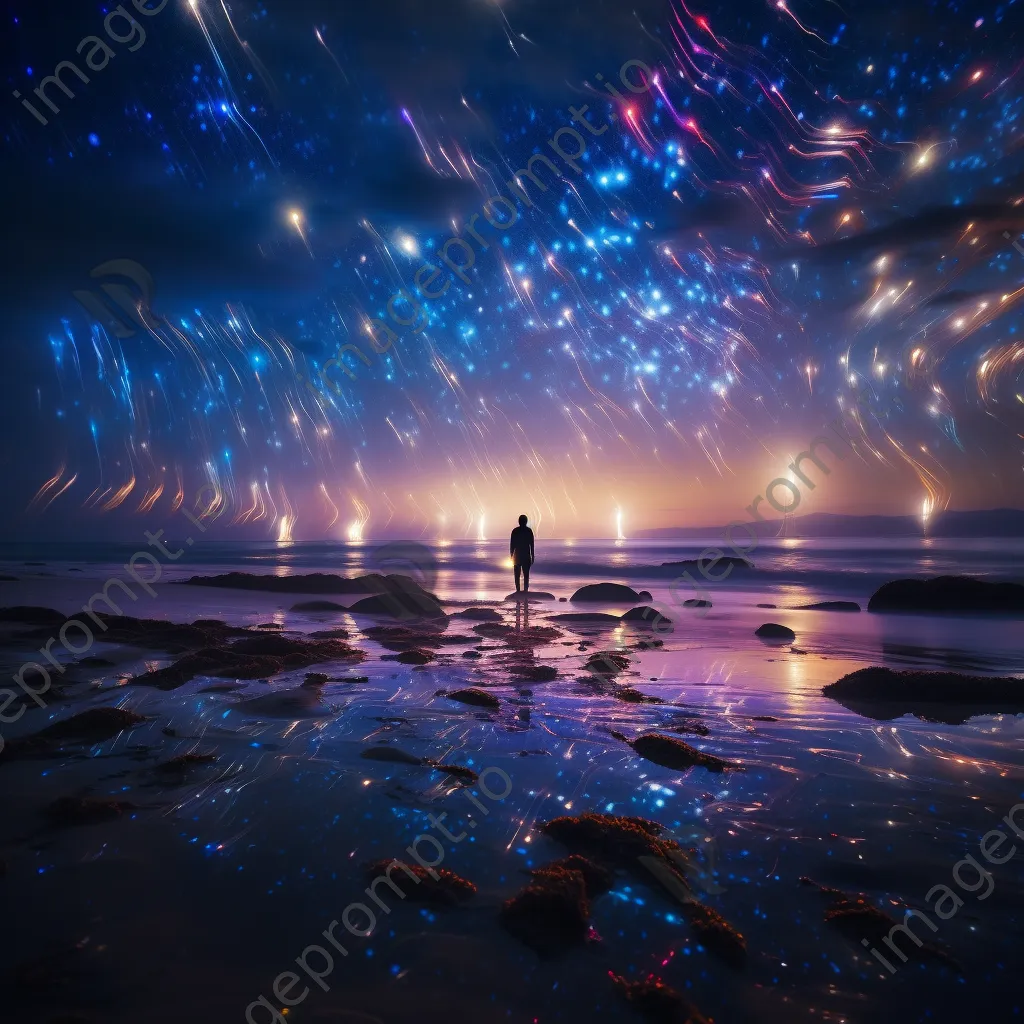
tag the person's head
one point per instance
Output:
(522, 520)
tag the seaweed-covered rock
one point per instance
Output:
(535, 673)
(948, 594)
(419, 884)
(617, 593)
(659, 1003)
(715, 934)
(411, 657)
(672, 753)
(596, 877)
(634, 696)
(616, 840)
(774, 631)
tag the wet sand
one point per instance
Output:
(190, 903)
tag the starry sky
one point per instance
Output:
(802, 202)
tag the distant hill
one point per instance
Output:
(996, 522)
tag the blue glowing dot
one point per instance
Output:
(94, 139)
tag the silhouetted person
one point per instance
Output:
(520, 547)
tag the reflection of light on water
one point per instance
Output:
(284, 529)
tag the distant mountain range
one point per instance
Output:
(996, 522)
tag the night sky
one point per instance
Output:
(800, 202)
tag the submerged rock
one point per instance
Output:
(457, 771)
(610, 592)
(829, 606)
(715, 934)
(659, 1003)
(864, 923)
(472, 695)
(552, 913)
(74, 810)
(885, 694)
(185, 762)
(419, 884)
(303, 702)
(606, 663)
(672, 753)
(691, 725)
(948, 594)
(93, 725)
(773, 631)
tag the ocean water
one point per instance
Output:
(200, 895)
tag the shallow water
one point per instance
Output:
(190, 905)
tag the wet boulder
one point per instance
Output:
(615, 593)
(948, 594)
(774, 631)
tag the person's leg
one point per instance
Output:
(526, 576)
(518, 569)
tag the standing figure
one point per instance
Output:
(520, 547)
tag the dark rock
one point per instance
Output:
(269, 625)
(312, 583)
(73, 810)
(457, 771)
(597, 879)
(93, 725)
(481, 614)
(830, 606)
(531, 595)
(316, 679)
(657, 1002)
(948, 594)
(330, 634)
(319, 606)
(763, 718)
(471, 695)
(93, 662)
(691, 725)
(645, 614)
(14, 579)
(767, 606)
(413, 657)
(885, 694)
(715, 934)
(551, 914)
(185, 762)
(773, 631)
(32, 615)
(617, 593)
(612, 839)
(672, 753)
(301, 702)
(563, 599)
(394, 755)
(472, 654)
(419, 885)
(691, 564)
(607, 663)
(397, 607)
(584, 617)
(633, 696)
(696, 602)
(646, 595)
(535, 673)
(865, 924)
